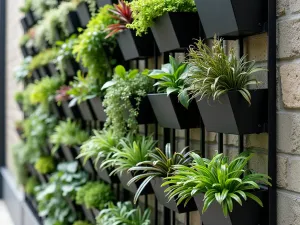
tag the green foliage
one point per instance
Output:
(45, 165)
(132, 150)
(95, 195)
(221, 180)
(124, 88)
(19, 97)
(68, 133)
(43, 58)
(22, 71)
(23, 98)
(41, 6)
(159, 165)
(31, 183)
(171, 80)
(26, 7)
(79, 222)
(83, 88)
(123, 213)
(213, 73)
(89, 47)
(92, 6)
(51, 197)
(24, 39)
(100, 146)
(43, 91)
(19, 163)
(146, 11)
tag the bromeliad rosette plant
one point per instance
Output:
(171, 80)
(68, 133)
(123, 213)
(124, 87)
(144, 12)
(213, 73)
(220, 179)
(159, 164)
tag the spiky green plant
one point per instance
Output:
(213, 73)
(160, 164)
(132, 150)
(123, 213)
(221, 180)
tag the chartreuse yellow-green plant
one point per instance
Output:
(213, 73)
(43, 58)
(123, 213)
(80, 222)
(68, 133)
(45, 165)
(31, 183)
(220, 179)
(144, 12)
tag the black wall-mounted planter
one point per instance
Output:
(52, 69)
(86, 111)
(135, 47)
(98, 109)
(24, 24)
(231, 114)
(24, 50)
(57, 110)
(232, 18)
(250, 213)
(83, 69)
(30, 18)
(84, 14)
(88, 165)
(71, 67)
(73, 22)
(176, 31)
(101, 3)
(36, 74)
(146, 114)
(172, 204)
(70, 153)
(170, 113)
(88, 214)
(103, 174)
(44, 71)
(125, 177)
(31, 51)
(71, 112)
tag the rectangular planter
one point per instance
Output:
(73, 22)
(231, 114)
(52, 69)
(146, 114)
(83, 69)
(103, 174)
(72, 112)
(135, 47)
(101, 3)
(31, 51)
(125, 177)
(172, 204)
(250, 213)
(98, 109)
(176, 30)
(57, 110)
(71, 67)
(30, 18)
(84, 14)
(88, 166)
(70, 153)
(173, 114)
(88, 214)
(44, 71)
(232, 18)
(36, 74)
(24, 24)
(24, 51)
(86, 111)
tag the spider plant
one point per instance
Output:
(123, 213)
(221, 180)
(160, 164)
(132, 150)
(171, 79)
(213, 73)
(100, 146)
(123, 14)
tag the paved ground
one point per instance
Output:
(4, 215)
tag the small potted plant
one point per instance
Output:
(126, 102)
(45, 165)
(177, 112)
(131, 45)
(68, 135)
(225, 191)
(220, 84)
(159, 166)
(131, 151)
(98, 148)
(174, 24)
(232, 18)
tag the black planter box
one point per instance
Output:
(73, 22)
(83, 69)
(101, 3)
(52, 69)
(84, 14)
(232, 18)
(170, 113)
(176, 30)
(36, 74)
(24, 24)
(250, 213)
(103, 174)
(72, 112)
(146, 114)
(24, 51)
(98, 109)
(30, 18)
(95, 212)
(31, 51)
(135, 47)
(231, 114)
(44, 71)
(57, 110)
(71, 67)
(85, 111)
(88, 165)
(70, 153)
(172, 204)
(125, 177)
(88, 214)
